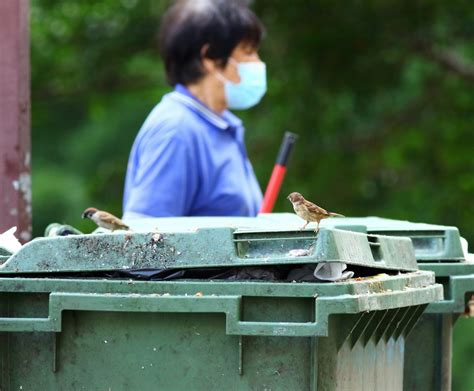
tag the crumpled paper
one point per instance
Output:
(9, 242)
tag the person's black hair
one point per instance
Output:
(190, 25)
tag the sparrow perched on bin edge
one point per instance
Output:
(309, 211)
(104, 219)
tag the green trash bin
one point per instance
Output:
(67, 324)
(428, 352)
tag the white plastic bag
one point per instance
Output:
(332, 271)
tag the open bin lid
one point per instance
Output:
(432, 243)
(172, 243)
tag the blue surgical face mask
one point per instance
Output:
(251, 88)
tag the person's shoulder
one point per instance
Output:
(168, 119)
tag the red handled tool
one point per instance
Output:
(273, 187)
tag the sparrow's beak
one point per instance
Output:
(83, 215)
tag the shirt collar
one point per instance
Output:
(224, 121)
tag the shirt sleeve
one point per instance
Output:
(165, 179)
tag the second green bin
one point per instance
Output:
(437, 248)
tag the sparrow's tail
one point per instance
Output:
(331, 214)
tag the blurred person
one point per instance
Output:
(189, 157)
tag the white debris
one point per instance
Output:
(298, 252)
(9, 242)
(464, 244)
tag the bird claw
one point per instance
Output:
(304, 226)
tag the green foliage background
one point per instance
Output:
(380, 92)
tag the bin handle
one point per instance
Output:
(229, 305)
(459, 287)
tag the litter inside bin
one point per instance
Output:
(306, 273)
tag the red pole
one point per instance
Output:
(15, 156)
(273, 187)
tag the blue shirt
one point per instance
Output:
(189, 161)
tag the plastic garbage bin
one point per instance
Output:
(67, 324)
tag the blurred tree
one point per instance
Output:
(380, 92)
(96, 74)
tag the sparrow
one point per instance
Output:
(309, 211)
(104, 219)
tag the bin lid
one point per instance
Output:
(185, 242)
(432, 243)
